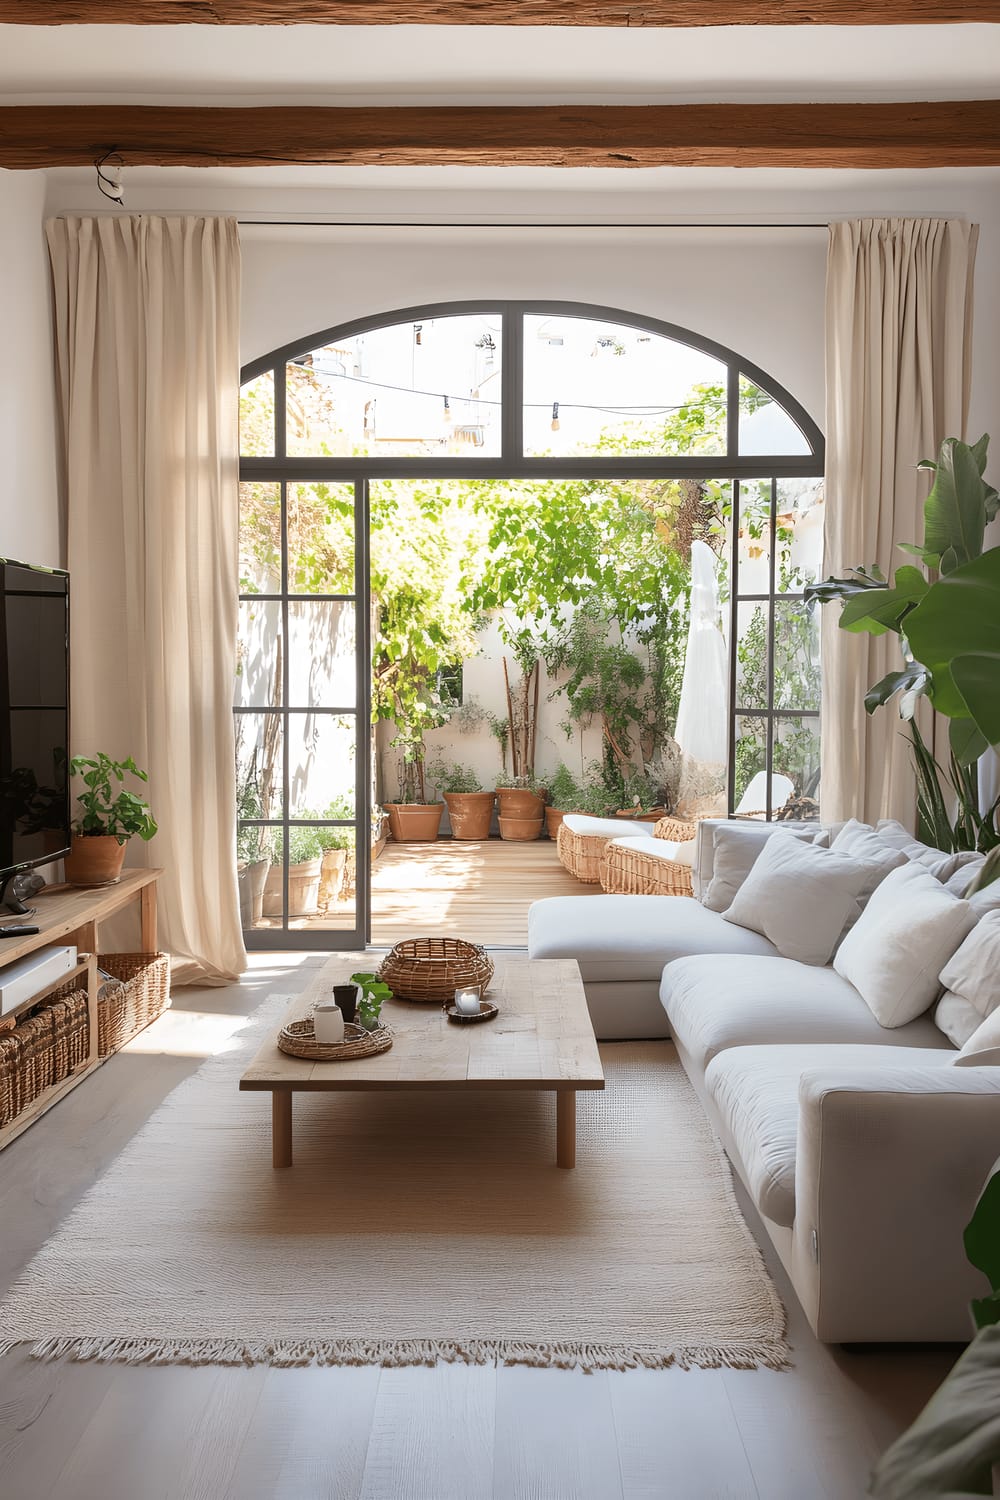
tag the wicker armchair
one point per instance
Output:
(633, 867)
(582, 853)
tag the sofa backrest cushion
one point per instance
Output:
(982, 1050)
(803, 897)
(735, 847)
(896, 950)
(971, 978)
(939, 861)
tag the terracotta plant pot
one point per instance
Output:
(470, 814)
(252, 881)
(516, 802)
(553, 817)
(303, 889)
(95, 859)
(414, 822)
(641, 815)
(332, 877)
(520, 830)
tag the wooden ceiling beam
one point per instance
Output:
(959, 133)
(680, 13)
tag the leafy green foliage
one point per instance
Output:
(982, 1246)
(105, 810)
(374, 993)
(446, 776)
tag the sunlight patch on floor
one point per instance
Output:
(188, 1033)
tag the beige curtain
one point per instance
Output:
(898, 357)
(147, 334)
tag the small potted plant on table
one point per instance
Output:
(109, 816)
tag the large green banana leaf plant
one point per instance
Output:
(946, 613)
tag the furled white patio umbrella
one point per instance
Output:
(702, 716)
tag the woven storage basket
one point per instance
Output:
(43, 1050)
(432, 969)
(580, 853)
(124, 1010)
(676, 830)
(630, 872)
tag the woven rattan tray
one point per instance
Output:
(430, 970)
(299, 1039)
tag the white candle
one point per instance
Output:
(328, 1022)
(467, 1001)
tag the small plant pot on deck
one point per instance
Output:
(303, 889)
(253, 878)
(520, 830)
(414, 822)
(95, 859)
(470, 814)
(553, 817)
(517, 802)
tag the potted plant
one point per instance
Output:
(521, 803)
(109, 816)
(412, 819)
(470, 809)
(305, 861)
(372, 994)
(253, 851)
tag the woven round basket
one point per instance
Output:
(299, 1039)
(432, 969)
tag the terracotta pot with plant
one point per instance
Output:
(470, 809)
(413, 819)
(109, 815)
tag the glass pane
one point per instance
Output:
(799, 534)
(755, 537)
(260, 539)
(751, 761)
(796, 655)
(258, 655)
(258, 765)
(334, 908)
(257, 417)
(595, 387)
(320, 538)
(796, 759)
(765, 427)
(322, 664)
(409, 389)
(751, 655)
(321, 765)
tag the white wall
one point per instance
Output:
(30, 524)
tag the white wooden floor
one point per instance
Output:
(109, 1432)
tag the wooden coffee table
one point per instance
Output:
(542, 1039)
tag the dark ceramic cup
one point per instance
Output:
(346, 996)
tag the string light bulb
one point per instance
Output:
(446, 414)
(418, 333)
(109, 176)
(554, 424)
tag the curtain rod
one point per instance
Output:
(503, 224)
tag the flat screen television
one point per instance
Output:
(34, 720)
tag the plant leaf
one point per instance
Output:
(882, 609)
(911, 676)
(968, 743)
(955, 509)
(987, 873)
(955, 632)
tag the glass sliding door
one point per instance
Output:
(302, 706)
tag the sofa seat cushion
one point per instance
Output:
(755, 1092)
(606, 828)
(718, 1001)
(620, 938)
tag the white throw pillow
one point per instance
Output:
(982, 1050)
(938, 861)
(735, 847)
(803, 897)
(900, 943)
(971, 978)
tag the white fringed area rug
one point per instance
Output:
(413, 1227)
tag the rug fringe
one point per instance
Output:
(771, 1355)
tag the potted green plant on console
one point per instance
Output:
(109, 815)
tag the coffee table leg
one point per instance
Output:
(566, 1127)
(281, 1127)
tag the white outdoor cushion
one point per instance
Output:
(897, 948)
(617, 938)
(755, 1091)
(803, 897)
(607, 828)
(735, 847)
(718, 1001)
(972, 982)
(659, 848)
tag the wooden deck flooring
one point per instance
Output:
(477, 891)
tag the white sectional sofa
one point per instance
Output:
(863, 1146)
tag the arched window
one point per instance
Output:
(346, 430)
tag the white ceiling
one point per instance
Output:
(493, 65)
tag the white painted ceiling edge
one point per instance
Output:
(493, 65)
